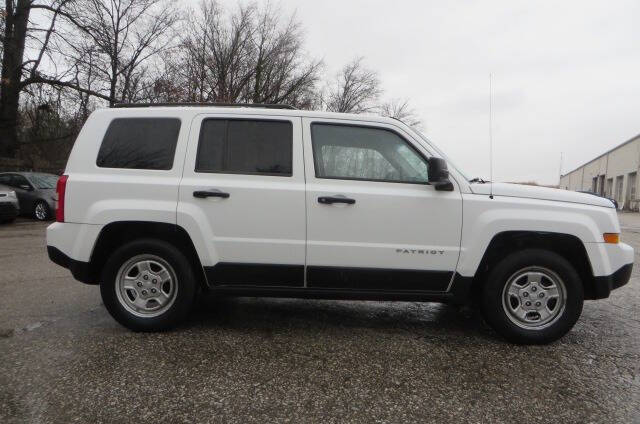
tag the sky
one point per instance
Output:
(565, 75)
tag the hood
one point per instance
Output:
(541, 193)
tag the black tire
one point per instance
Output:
(7, 221)
(496, 315)
(186, 285)
(46, 209)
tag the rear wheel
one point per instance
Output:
(41, 211)
(148, 285)
(532, 296)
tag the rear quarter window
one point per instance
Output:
(139, 143)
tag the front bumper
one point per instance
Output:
(603, 285)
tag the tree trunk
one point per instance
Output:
(15, 37)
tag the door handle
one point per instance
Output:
(203, 194)
(328, 200)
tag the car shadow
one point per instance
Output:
(275, 314)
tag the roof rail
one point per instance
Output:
(177, 104)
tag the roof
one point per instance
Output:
(601, 155)
(217, 104)
(246, 109)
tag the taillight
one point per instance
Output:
(61, 188)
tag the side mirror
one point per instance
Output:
(439, 174)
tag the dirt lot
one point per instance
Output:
(63, 359)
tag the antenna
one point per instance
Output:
(560, 177)
(490, 141)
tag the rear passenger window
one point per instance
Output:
(253, 147)
(139, 143)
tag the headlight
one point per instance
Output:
(12, 194)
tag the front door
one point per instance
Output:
(243, 192)
(373, 221)
(23, 189)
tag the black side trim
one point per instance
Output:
(461, 290)
(338, 294)
(79, 269)
(377, 279)
(604, 284)
(228, 273)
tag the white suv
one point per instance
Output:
(158, 202)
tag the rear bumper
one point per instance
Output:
(604, 284)
(80, 270)
(70, 245)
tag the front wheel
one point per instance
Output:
(148, 285)
(532, 296)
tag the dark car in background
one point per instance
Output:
(615, 203)
(9, 207)
(36, 192)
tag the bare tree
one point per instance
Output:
(20, 72)
(116, 39)
(250, 54)
(61, 59)
(3, 22)
(280, 74)
(16, 27)
(356, 89)
(401, 110)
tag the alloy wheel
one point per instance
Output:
(534, 298)
(146, 285)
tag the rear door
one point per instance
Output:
(373, 221)
(243, 191)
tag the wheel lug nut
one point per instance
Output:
(153, 290)
(527, 303)
(144, 292)
(533, 288)
(525, 294)
(139, 284)
(146, 277)
(154, 281)
(538, 303)
(541, 295)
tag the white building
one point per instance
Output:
(612, 174)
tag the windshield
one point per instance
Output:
(43, 181)
(441, 153)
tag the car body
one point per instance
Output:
(614, 201)
(9, 207)
(36, 192)
(278, 202)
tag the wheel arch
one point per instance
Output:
(568, 246)
(115, 234)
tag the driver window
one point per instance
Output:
(19, 181)
(365, 153)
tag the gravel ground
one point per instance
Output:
(63, 359)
